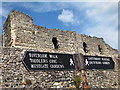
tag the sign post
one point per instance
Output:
(80, 66)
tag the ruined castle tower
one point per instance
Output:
(20, 34)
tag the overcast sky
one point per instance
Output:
(91, 18)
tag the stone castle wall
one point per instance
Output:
(21, 35)
(20, 31)
(15, 75)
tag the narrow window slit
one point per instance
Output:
(99, 48)
(85, 47)
(55, 42)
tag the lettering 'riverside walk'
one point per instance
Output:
(48, 61)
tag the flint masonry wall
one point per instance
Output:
(21, 35)
(15, 75)
(19, 31)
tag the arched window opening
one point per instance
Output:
(55, 42)
(85, 47)
(99, 48)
